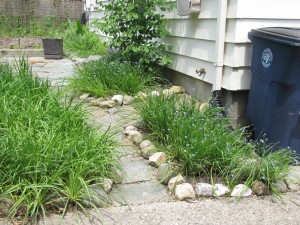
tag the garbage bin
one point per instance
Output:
(274, 96)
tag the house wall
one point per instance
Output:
(43, 8)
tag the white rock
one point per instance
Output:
(127, 100)
(157, 158)
(204, 106)
(97, 102)
(128, 129)
(141, 95)
(203, 189)
(220, 190)
(107, 104)
(177, 89)
(145, 144)
(293, 178)
(106, 184)
(118, 98)
(92, 58)
(167, 92)
(179, 179)
(84, 96)
(241, 190)
(184, 191)
(135, 136)
(154, 93)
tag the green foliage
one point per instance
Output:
(49, 153)
(201, 142)
(16, 25)
(79, 41)
(105, 77)
(135, 27)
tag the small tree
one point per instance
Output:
(135, 26)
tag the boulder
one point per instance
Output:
(84, 96)
(147, 149)
(154, 93)
(177, 90)
(107, 104)
(96, 102)
(241, 190)
(135, 136)
(203, 189)
(179, 179)
(220, 190)
(167, 92)
(293, 178)
(157, 158)
(118, 98)
(280, 186)
(184, 191)
(106, 184)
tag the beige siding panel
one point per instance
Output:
(199, 49)
(209, 9)
(237, 55)
(237, 29)
(236, 78)
(195, 28)
(264, 9)
(189, 66)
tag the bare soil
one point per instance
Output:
(20, 43)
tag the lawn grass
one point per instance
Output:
(49, 153)
(203, 144)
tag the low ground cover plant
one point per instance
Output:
(50, 156)
(105, 77)
(201, 142)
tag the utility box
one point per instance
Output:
(274, 97)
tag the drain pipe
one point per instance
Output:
(219, 52)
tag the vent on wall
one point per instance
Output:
(187, 7)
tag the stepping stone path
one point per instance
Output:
(139, 183)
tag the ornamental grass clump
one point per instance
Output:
(50, 156)
(202, 142)
(105, 77)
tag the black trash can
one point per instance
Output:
(274, 96)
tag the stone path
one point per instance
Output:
(140, 199)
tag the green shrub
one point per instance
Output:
(105, 77)
(134, 27)
(202, 143)
(49, 153)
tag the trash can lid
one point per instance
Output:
(285, 35)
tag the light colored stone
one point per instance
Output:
(118, 98)
(157, 158)
(140, 95)
(118, 176)
(280, 186)
(241, 190)
(179, 179)
(165, 172)
(260, 188)
(127, 100)
(204, 106)
(91, 58)
(167, 92)
(154, 93)
(84, 96)
(128, 129)
(106, 184)
(97, 102)
(220, 190)
(135, 136)
(203, 189)
(107, 104)
(184, 191)
(147, 149)
(177, 89)
(293, 178)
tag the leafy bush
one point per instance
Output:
(202, 143)
(134, 27)
(79, 41)
(49, 153)
(105, 77)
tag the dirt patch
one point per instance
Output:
(20, 43)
